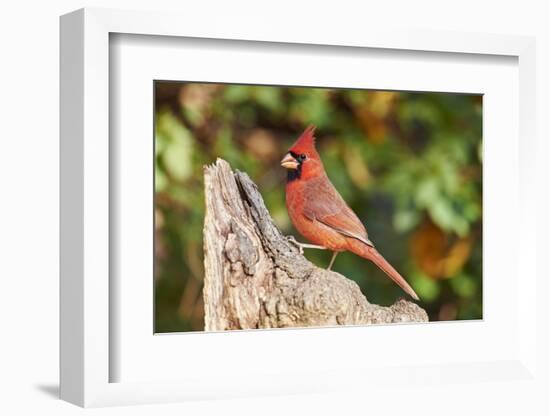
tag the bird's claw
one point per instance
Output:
(293, 240)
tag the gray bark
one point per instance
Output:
(256, 278)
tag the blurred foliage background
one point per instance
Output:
(409, 164)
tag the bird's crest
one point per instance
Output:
(306, 141)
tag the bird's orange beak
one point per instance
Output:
(289, 162)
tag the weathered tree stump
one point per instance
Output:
(256, 278)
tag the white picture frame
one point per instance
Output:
(87, 356)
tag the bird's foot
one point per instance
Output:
(301, 246)
(291, 239)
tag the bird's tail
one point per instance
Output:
(370, 253)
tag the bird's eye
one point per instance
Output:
(302, 156)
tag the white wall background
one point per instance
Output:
(29, 98)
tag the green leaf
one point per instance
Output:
(464, 285)
(426, 288)
(177, 146)
(160, 180)
(236, 93)
(427, 193)
(269, 97)
(405, 220)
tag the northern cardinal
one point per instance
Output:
(321, 215)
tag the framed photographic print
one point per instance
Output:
(337, 205)
(409, 162)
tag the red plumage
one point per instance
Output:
(320, 214)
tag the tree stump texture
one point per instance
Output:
(256, 278)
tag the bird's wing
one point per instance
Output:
(323, 203)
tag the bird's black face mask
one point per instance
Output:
(295, 173)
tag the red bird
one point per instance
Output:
(321, 215)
